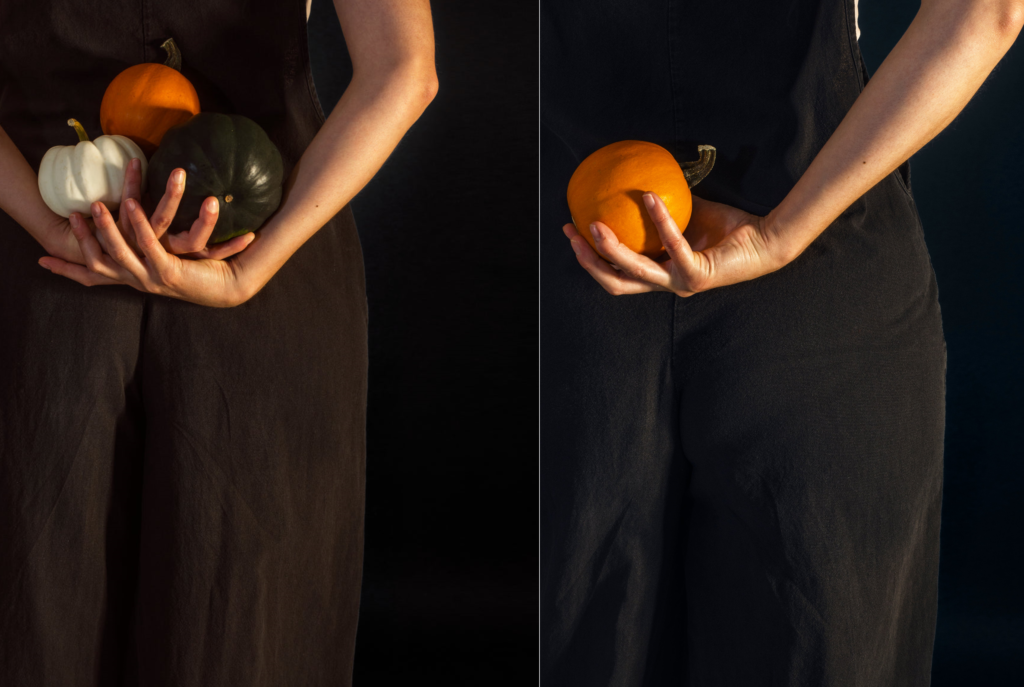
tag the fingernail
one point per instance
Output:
(594, 232)
(136, 164)
(649, 200)
(130, 203)
(45, 267)
(96, 209)
(73, 220)
(575, 247)
(212, 205)
(179, 176)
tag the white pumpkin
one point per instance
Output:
(72, 178)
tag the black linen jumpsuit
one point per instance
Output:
(740, 488)
(181, 487)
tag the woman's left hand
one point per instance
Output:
(110, 260)
(723, 245)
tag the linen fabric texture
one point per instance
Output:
(181, 495)
(742, 487)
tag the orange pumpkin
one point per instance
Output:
(609, 186)
(146, 100)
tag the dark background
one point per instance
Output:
(969, 187)
(449, 233)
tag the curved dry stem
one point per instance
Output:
(173, 54)
(696, 170)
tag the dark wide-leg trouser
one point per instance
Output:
(743, 487)
(181, 495)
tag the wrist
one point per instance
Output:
(246, 278)
(779, 244)
(51, 235)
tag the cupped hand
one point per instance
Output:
(109, 259)
(190, 244)
(723, 245)
(64, 244)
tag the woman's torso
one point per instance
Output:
(765, 83)
(57, 57)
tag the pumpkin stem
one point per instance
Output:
(696, 170)
(79, 129)
(173, 54)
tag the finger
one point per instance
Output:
(130, 188)
(226, 249)
(165, 210)
(639, 267)
(116, 247)
(80, 273)
(691, 266)
(677, 247)
(148, 242)
(198, 235)
(607, 275)
(610, 279)
(95, 259)
(132, 181)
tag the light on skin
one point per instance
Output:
(937, 66)
(391, 44)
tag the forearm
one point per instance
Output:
(353, 143)
(391, 43)
(941, 61)
(19, 191)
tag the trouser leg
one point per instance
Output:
(70, 450)
(812, 418)
(610, 469)
(813, 534)
(253, 498)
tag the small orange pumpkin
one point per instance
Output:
(146, 100)
(609, 186)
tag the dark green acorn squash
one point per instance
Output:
(227, 156)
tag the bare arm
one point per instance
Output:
(391, 43)
(19, 198)
(937, 66)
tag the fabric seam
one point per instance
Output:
(672, 74)
(310, 85)
(145, 34)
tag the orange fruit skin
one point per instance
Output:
(609, 186)
(146, 100)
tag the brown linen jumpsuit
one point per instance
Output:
(181, 487)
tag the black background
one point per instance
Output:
(449, 233)
(969, 187)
